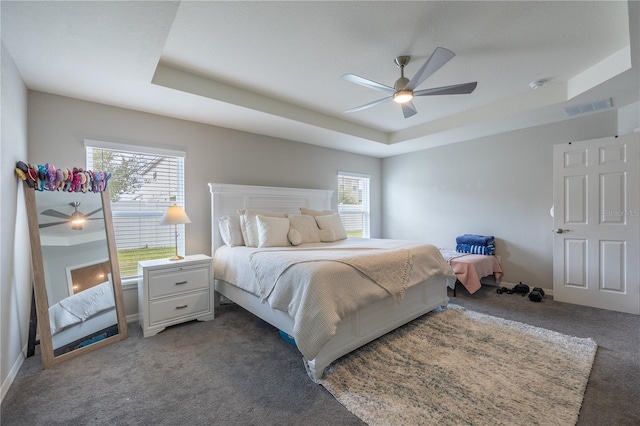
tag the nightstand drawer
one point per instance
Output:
(178, 280)
(176, 307)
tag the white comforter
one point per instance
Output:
(81, 306)
(319, 294)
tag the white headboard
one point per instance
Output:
(226, 199)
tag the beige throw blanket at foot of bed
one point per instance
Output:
(389, 269)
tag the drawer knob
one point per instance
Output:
(181, 282)
(181, 307)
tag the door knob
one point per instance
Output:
(560, 230)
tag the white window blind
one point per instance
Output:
(353, 203)
(144, 183)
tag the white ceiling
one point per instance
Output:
(275, 68)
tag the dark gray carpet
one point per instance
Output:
(238, 370)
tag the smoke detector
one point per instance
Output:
(536, 84)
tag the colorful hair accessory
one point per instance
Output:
(90, 178)
(59, 179)
(20, 174)
(75, 183)
(67, 186)
(107, 176)
(32, 175)
(97, 182)
(83, 181)
(51, 176)
(89, 185)
(22, 170)
(65, 176)
(47, 177)
(42, 177)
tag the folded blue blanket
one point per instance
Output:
(476, 249)
(475, 240)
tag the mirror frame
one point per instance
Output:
(40, 289)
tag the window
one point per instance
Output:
(144, 182)
(353, 203)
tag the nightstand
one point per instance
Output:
(174, 291)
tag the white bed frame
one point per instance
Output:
(360, 328)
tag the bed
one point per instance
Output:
(322, 336)
(470, 268)
(83, 317)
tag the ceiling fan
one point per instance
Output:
(76, 219)
(403, 91)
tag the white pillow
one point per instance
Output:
(327, 236)
(249, 224)
(230, 230)
(314, 213)
(272, 231)
(303, 229)
(332, 222)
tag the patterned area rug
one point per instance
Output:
(457, 367)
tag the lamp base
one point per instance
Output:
(176, 257)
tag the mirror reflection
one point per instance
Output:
(77, 270)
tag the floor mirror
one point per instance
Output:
(76, 277)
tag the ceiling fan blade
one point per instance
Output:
(55, 213)
(456, 89)
(437, 60)
(93, 212)
(369, 105)
(409, 109)
(46, 225)
(368, 83)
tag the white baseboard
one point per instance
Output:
(13, 372)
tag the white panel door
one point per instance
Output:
(596, 248)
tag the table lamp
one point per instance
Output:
(175, 215)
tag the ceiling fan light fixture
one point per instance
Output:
(403, 96)
(77, 218)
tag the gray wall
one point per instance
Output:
(15, 267)
(499, 185)
(58, 126)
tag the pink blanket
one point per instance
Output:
(471, 267)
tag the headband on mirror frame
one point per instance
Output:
(47, 178)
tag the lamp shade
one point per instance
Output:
(175, 215)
